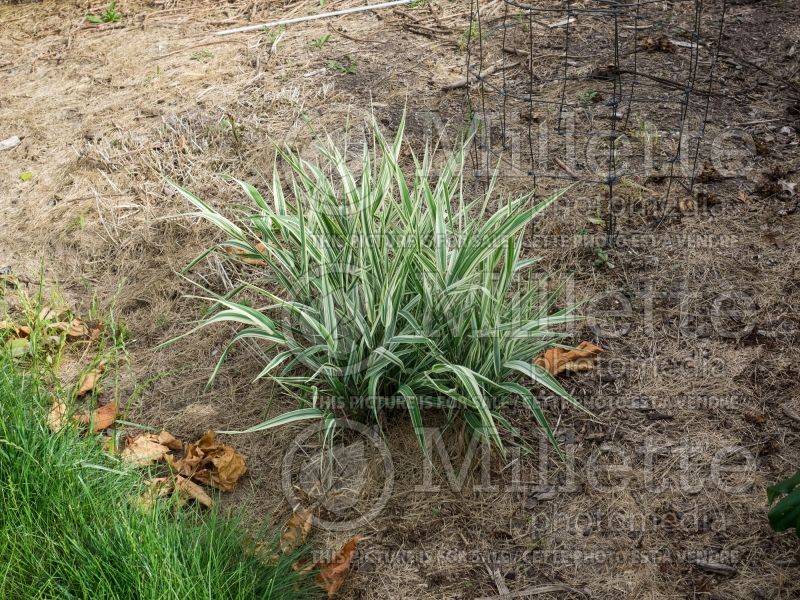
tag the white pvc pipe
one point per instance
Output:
(344, 11)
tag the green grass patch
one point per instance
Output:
(71, 525)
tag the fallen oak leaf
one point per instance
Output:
(90, 379)
(332, 574)
(558, 360)
(101, 418)
(296, 530)
(77, 329)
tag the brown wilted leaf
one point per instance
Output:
(5, 325)
(144, 450)
(296, 531)
(158, 487)
(230, 466)
(96, 332)
(211, 462)
(208, 443)
(51, 313)
(189, 464)
(190, 489)
(102, 417)
(57, 417)
(165, 438)
(239, 253)
(21, 331)
(558, 360)
(332, 574)
(74, 329)
(90, 379)
(110, 444)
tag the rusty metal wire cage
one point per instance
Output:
(545, 77)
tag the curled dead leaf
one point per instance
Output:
(74, 329)
(101, 418)
(189, 489)
(51, 313)
(96, 332)
(558, 360)
(333, 574)
(248, 260)
(189, 464)
(296, 530)
(8, 325)
(144, 450)
(165, 438)
(210, 462)
(90, 379)
(111, 444)
(228, 467)
(158, 487)
(57, 417)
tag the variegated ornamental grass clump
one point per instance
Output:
(381, 290)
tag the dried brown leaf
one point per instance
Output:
(77, 329)
(212, 462)
(230, 466)
(165, 438)
(189, 489)
(57, 417)
(158, 487)
(558, 360)
(333, 574)
(96, 332)
(51, 313)
(101, 418)
(296, 531)
(208, 443)
(189, 464)
(90, 379)
(144, 450)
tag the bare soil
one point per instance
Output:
(704, 360)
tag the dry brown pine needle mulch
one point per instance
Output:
(105, 112)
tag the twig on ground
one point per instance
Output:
(482, 75)
(566, 168)
(327, 15)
